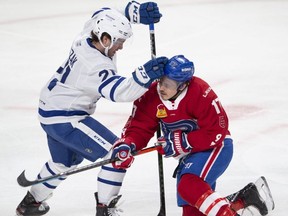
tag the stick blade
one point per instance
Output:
(22, 180)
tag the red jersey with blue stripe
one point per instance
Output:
(197, 111)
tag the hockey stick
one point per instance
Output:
(24, 182)
(162, 211)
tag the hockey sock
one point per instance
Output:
(43, 191)
(211, 204)
(191, 188)
(191, 210)
(198, 193)
(109, 182)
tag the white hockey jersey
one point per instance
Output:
(85, 77)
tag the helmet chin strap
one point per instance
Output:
(176, 95)
(106, 49)
(179, 91)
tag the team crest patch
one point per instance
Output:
(161, 111)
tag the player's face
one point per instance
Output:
(118, 45)
(167, 88)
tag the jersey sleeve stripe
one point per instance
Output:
(107, 82)
(114, 88)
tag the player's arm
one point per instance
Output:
(137, 132)
(212, 121)
(121, 89)
(142, 123)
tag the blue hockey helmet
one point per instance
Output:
(179, 69)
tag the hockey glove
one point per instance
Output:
(122, 149)
(153, 69)
(175, 144)
(145, 13)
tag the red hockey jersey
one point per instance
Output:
(197, 111)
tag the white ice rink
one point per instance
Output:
(239, 47)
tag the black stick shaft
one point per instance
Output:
(24, 182)
(162, 211)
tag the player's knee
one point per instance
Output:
(191, 187)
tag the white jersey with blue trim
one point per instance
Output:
(85, 77)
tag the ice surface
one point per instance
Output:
(239, 47)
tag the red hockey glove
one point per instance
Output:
(122, 149)
(175, 144)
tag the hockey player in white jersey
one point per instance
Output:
(70, 96)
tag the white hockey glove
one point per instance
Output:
(145, 13)
(175, 144)
(153, 69)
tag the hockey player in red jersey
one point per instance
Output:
(195, 130)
